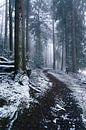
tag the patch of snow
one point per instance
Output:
(40, 81)
(7, 111)
(55, 120)
(59, 107)
(7, 66)
(16, 95)
(3, 59)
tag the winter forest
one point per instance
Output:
(42, 64)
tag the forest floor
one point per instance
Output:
(50, 101)
(77, 84)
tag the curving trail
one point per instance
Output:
(56, 110)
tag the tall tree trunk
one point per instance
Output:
(39, 61)
(46, 55)
(10, 26)
(74, 63)
(2, 31)
(6, 21)
(27, 27)
(63, 52)
(23, 37)
(54, 47)
(19, 36)
(66, 46)
(16, 34)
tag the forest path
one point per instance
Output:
(56, 110)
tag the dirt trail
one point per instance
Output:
(56, 110)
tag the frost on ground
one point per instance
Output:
(15, 95)
(40, 82)
(77, 83)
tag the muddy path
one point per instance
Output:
(56, 110)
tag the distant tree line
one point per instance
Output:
(25, 20)
(71, 32)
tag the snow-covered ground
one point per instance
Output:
(40, 82)
(16, 94)
(77, 83)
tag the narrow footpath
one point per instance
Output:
(56, 110)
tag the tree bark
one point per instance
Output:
(6, 21)
(27, 27)
(10, 26)
(2, 31)
(74, 63)
(63, 52)
(20, 36)
(23, 38)
(54, 47)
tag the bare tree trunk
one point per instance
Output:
(66, 46)
(63, 53)
(19, 36)
(27, 27)
(46, 55)
(23, 38)
(74, 63)
(16, 34)
(2, 31)
(54, 47)
(10, 26)
(6, 21)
